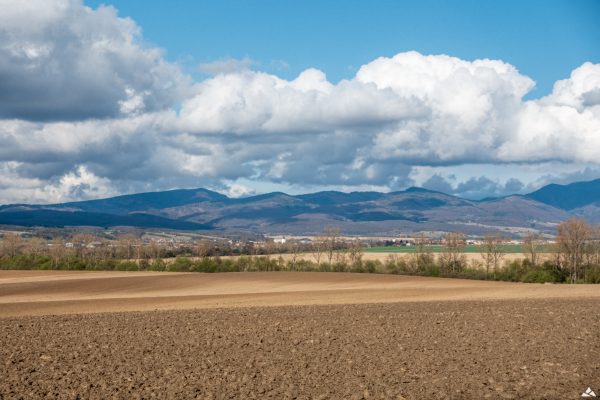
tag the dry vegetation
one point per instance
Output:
(575, 257)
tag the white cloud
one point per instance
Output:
(252, 103)
(61, 60)
(236, 190)
(580, 91)
(90, 110)
(414, 108)
(561, 126)
(78, 184)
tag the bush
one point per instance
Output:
(472, 273)
(592, 274)
(127, 266)
(264, 264)
(339, 267)
(105, 265)
(204, 265)
(75, 264)
(538, 276)
(181, 264)
(245, 263)
(513, 271)
(144, 265)
(324, 267)
(305, 265)
(226, 265)
(158, 265)
(429, 270)
(371, 266)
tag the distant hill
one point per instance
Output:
(123, 205)
(363, 213)
(569, 197)
(61, 219)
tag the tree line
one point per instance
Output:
(574, 256)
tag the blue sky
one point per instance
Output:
(472, 98)
(545, 40)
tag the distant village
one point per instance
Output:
(172, 243)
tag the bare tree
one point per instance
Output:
(355, 252)
(270, 247)
(532, 244)
(12, 244)
(422, 255)
(155, 250)
(105, 251)
(35, 247)
(331, 235)
(57, 252)
(452, 257)
(318, 247)
(202, 248)
(592, 251)
(293, 249)
(126, 244)
(492, 250)
(572, 238)
(340, 256)
(84, 245)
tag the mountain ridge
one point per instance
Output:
(355, 212)
(568, 197)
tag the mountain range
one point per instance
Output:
(360, 213)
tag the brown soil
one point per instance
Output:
(53, 292)
(423, 338)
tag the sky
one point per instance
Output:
(473, 98)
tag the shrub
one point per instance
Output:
(144, 265)
(226, 266)
(127, 266)
(105, 265)
(264, 264)
(305, 265)
(324, 267)
(512, 271)
(538, 276)
(245, 263)
(340, 267)
(371, 266)
(158, 265)
(592, 274)
(429, 269)
(471, 273)
(204, 265)
(181, 264)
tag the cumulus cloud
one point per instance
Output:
(87, 109)
(252, 103)
(236, 190)
(78, 184)
(61, 60)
